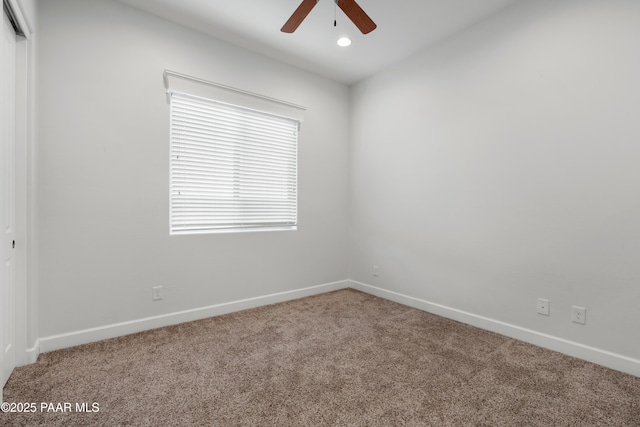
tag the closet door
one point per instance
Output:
(7, 198)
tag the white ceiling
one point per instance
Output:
(404, 27)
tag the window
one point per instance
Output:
(233, 168)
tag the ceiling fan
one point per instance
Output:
(349, 7)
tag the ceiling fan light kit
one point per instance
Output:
(353, 11)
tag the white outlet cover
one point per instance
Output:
(156, 293)
(542, 306)
(376, 270)
(578, 315)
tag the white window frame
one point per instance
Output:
(233, 164)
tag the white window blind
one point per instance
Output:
(232, 168)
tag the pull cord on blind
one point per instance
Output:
(232, 168)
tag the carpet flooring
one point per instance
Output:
(339, 359)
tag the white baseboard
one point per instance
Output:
(71, 339)
(33, 353)
(601, 357)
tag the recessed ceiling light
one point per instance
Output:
(344, 41)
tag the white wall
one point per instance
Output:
(502, 166)
(103, 173)
(492, 169)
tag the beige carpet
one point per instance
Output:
(343, 358)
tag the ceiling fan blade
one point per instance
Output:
(357, 15)
(298, 16)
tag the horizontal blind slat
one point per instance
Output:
(231, 167)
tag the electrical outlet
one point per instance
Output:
(543, 306)
(156, 293)
(578, 314)
(376, 270)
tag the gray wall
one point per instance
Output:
(104, 173)
(480, 174)
(502, 166)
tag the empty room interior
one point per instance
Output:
(470, 165)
